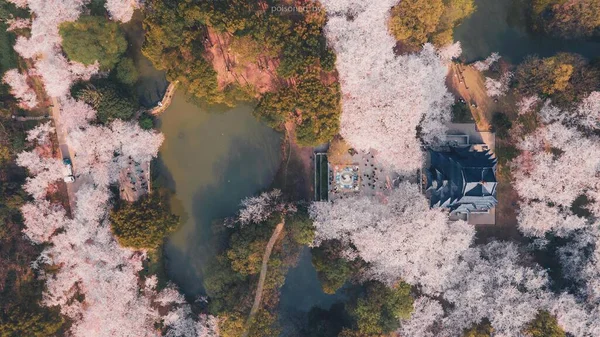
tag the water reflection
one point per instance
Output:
(215, 160)
(501, 26)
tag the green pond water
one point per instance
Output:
(500, 26)
(211, 161)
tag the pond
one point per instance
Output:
(212, 160)
(500, 26)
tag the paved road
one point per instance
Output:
(64, 150)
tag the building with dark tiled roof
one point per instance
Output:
(463, 180)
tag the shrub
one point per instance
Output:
(144, 223)
(93, 38)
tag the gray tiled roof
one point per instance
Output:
(462, 179)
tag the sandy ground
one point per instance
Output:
(466, 82)
(262, 77)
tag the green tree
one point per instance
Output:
(332, 269)
(566, 19)
(143, 224)
(93, 38)
(380, 308)
(501, 124)
(418, 21)
(247, 246)
(300, 227)
(313, 106)
(108, 101)
(564, 78)
(414, 21)
(18, 323)
(126, 71)
(174, 37)
(544, 325)
(146, 122)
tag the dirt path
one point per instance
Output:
(166, 101)
(468, 83)
(263, 275)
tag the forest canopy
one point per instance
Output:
(566, 19)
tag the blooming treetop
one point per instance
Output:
(402, 238)
(259, 208)
(121, 10)
(45, 170)
(426, 313)
(103, 151)
(94, 265)
(487, 63)
(526, 104)
(44, 44)
(491, 282)
(21, 89)
(552, 171)
(385, 97)
(42, 219)
(496, 88)
(41, 133)
(537, 218)
(18, 23)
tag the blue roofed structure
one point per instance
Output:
(462, 179)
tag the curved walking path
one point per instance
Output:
(166, 101)
(263, 275)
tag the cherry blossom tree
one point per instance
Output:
(386, 97)
(450, 51)
(122, 10)
(18, 23)
(400, 237)
(21, 89)
(19, 3)
(537, 218)
(487, 63)
(58, 74)
(588, 112)
(45, 171)
(41, 133)
(42, 219)
(259, 208)
(497, 88)
(526, 104)
(44, 44)
(551, 170)
(75, 115)
(103, 151)
(424, 320)
(489, 283)
(580, 259)
(48, 15)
